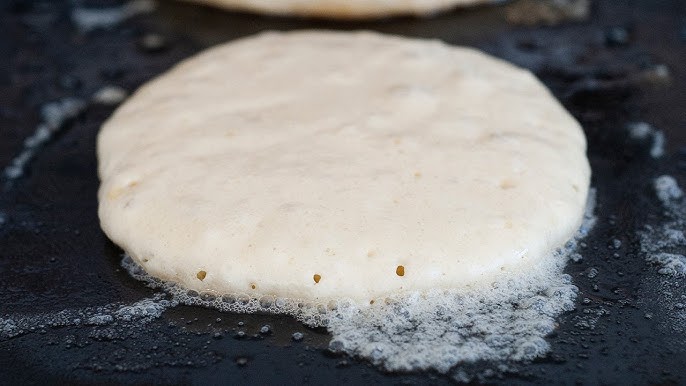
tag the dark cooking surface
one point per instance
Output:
(54, 257)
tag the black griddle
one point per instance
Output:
(53, 255)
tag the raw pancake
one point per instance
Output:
(342, 9)
(328, 165)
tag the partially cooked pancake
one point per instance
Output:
(323, 165)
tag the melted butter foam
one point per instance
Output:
(505, 320)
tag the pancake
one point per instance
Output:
(342, 9)
(322, 166)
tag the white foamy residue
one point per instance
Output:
(668, 191)
(54, 115)
(87, 19)
(110, 96)
(662, 244)
(645, 131)
(126, 315)
(439, 330)
(590, 317)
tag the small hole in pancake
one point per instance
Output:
(253, 286)
(371, 301)
(201, 275)
(317, 278)
(400, 270)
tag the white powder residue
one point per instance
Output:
(54, 116)
(645, 131)
(88, 19)
(126, 315)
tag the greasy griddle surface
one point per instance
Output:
(53, 255)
